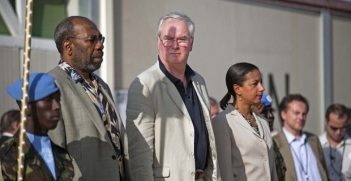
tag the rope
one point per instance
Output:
(24, 101)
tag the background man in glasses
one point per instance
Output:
(169, 131)
(91, 129)
(336, 143)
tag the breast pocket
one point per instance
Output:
(161, 172)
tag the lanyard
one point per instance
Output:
(300, 161)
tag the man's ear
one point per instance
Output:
(67, 47)
(191, 44)
(15, 125)
(28, 111)
(283, 115)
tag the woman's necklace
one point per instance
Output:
(250, 119)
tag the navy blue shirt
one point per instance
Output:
(193, 106)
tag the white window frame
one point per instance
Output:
(15, 24)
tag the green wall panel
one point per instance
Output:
(46, 15)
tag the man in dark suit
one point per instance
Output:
(302, 151)
(91, 128)
(9, 124)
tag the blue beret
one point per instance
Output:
(41, 85)
(266, 100)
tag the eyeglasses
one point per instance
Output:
(168, 41)
(336, 128)
(93, 38)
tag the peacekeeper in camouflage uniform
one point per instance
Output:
(43, 161)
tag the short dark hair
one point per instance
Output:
(64, 30)
(290, 98)
(8, 118)
(338, 109)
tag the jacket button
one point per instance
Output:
(114, 157)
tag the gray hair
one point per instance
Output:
(178, 16)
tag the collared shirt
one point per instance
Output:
(91, 90)
(338, 159)
(193, 106)
(7, 134)
(304, 159)
(42, 145)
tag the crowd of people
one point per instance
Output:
(174, 131)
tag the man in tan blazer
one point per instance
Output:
(170, 136)
(302, 151)
(91, 129)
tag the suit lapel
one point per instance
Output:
(173, 93)
(175, 96)
(284, 148)
(201, 92)
(203, 100)
(260, 127)
(105, 91)
(89, 106)
(314, 143)
(241, 120)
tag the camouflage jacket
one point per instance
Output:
(34, 166)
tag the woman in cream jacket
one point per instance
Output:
(243, 141)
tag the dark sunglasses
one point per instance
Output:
(336, 128)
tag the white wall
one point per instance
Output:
(9, 72)
(342, 60)
(278, 40)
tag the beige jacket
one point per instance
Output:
(242, 153)
(160, 130)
